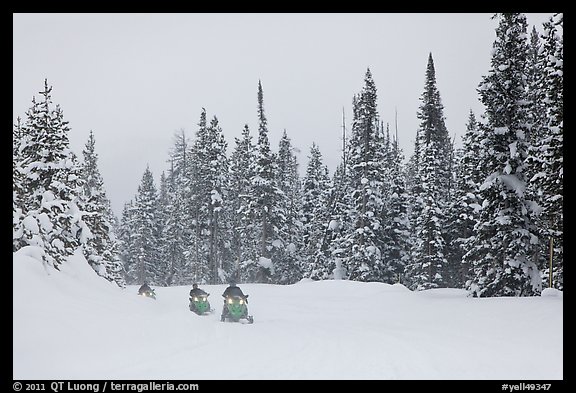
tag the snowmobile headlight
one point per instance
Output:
(241, 301)
(195, 299)
(230, 300)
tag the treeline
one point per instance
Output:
(486, 217)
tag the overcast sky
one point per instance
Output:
(136, 79)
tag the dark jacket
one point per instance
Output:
(234, 291)
(197, 292)
(144, 288)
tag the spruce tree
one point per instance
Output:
(546, 156)
(359, 248)
(288, 248)
(194, 195)
(146, 234)
(267, 196)
(50, 184)
(396, 226)
(173, 235)
(210, 187)
(17, 186)
(101, 249)
(431, 190)
(501, 252)
(315, 213)
(244, 228)
(467, 204)
(127, 244)
(330, 261)
(179, 233)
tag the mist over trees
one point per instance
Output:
(487, 216)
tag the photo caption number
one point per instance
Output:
(34, 386)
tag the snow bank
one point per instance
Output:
(552, 292)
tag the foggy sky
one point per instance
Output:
(136, 79)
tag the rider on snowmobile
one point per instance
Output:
(144, 289)
(233, 290)
(195, 291)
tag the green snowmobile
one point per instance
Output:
(199, 304)
(236, 310)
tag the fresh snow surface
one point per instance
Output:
(73, 324)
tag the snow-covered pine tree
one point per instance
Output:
(50, 184)
(329, 261)
(288, 248)
(546, 155)
(175, 230)
(174, 234)
(362, 257)
(267, 195)
(433, 152)
(194, 195)
(244, 228)
(537, 119)
(396, 226)
(101, 249)
(501, 252)
(465, 209)
(315, 214)
(163, 202)
(127, 245)
(210, 187)
(146, 234)
(17, 186)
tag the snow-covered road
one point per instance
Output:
(75, 325)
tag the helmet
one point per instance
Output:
(232, 283)
(194, 285)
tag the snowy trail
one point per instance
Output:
(73, 325)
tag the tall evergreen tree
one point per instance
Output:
(180, 236)
(546, 156)
(127, 245)
(101, 249)
(146, 234)
(467, 204)
(396, 226)
(162, 207)
(288, 261)
(315, 203)
(501, 252)
(50, 184)
(267, 196)
(330, 260)
(194, 195)
(176, 222)
(17, 186)
(431, 193)
(245, 239)
(210, 185)
(359, 247)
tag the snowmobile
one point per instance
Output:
(149, 293)
(236, 310)
(200, 305)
